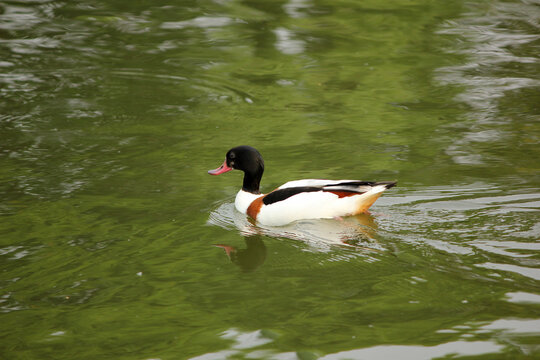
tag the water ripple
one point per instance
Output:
(499, 48)
(16, 18)
(533, 273)
(200, 22)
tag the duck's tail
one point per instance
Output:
(369, 197)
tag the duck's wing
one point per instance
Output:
(341, 188)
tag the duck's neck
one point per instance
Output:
(252, 182)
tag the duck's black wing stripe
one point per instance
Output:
(359, 184)
(353, 183)
(282, 194)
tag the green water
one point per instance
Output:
(111, 112)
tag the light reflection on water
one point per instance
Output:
(489, 44)
(491, 48)
(246, 344)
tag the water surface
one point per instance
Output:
(116, 244)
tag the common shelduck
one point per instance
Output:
(299, 199)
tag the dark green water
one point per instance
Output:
(111, 112)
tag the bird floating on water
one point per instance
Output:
(298, 199)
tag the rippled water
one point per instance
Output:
(115, 243)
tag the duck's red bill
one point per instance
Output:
(220, 170)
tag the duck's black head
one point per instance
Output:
(247, 159)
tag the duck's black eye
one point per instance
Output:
(232, 155)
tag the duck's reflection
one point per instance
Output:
(355, 232)
(251, 257)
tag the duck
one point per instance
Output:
(298, 199)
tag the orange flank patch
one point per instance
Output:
(255, 207)
(342, 194)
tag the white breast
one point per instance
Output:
(243, 200)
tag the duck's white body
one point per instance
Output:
(308, 205)
(299, 199)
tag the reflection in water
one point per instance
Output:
(355, 232)
(321, 234)
(251, 257)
